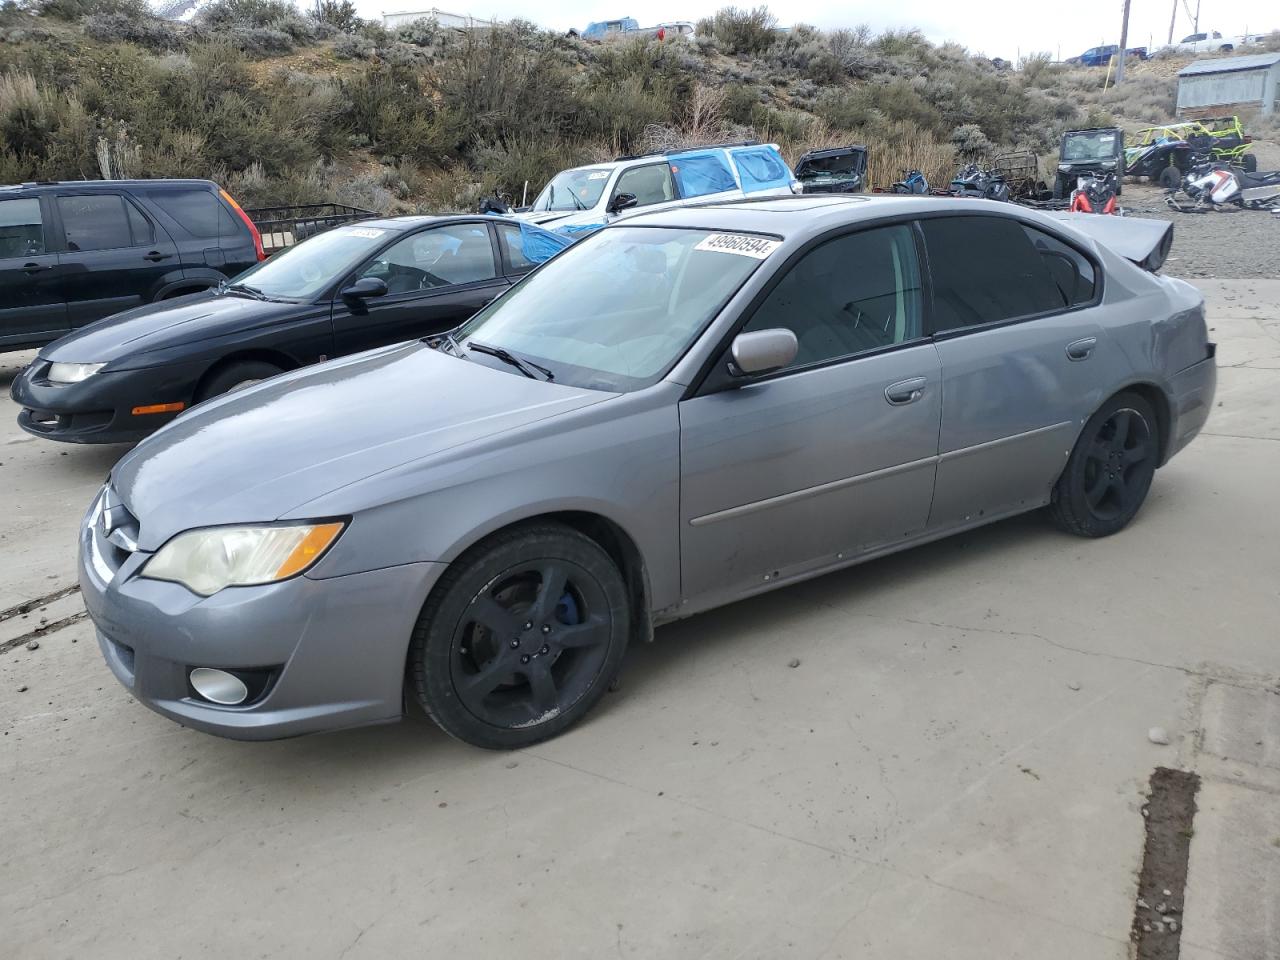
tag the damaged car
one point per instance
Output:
(839, 170)
(679, 411)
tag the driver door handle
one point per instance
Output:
(35, 267)
(905, 391)
(1081, 349)
(155, 256)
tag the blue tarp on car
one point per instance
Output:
(702, 173)
(540, 245)
(761, 168)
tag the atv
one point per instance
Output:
(974, 181)
(1096, 151)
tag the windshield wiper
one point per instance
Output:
(440, 339)
(246, 289)
(506, 356)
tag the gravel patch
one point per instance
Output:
(1240, 244)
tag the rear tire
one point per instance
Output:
(1171, 178)
(1249, 163)
(521, 637)
(1109, 471)
(235, 377)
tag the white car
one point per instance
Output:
(584, 199)
(1211, 42)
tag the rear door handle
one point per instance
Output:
(35, 267)
(1080, 349)
(905, 391)
(155, 256)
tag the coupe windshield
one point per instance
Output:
(616, 310)
(302, 271)
(572, 190)
(1084, 147)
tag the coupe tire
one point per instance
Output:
(521, 637)
(1109, 472)
(236, 377)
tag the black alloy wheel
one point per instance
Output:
(521, 638)
(1109, 472)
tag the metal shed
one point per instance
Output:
(458, 21)
(1229, 85)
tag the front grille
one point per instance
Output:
(113, 534)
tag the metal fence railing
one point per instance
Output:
(284, 226)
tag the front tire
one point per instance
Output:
(1171, 178)
(235, 377)
(1109, 472)
(521, 637)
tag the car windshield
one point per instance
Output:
(573, 190)
(616, 310)
(1096, 145)
(303, 270)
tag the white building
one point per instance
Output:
(460, 21)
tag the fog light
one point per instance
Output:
(218, 686)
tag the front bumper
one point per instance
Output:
(99, 409)
(332, 651)
(1191, 400)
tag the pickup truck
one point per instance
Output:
(1211, 42)
(1101, 56)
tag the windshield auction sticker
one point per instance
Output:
(367, 233)
(743, 245)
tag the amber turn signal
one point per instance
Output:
(312, 545)
(158, 408)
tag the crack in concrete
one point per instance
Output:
(43, 630)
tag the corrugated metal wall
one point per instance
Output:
(1253, 87)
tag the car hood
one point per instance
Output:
(191, 318)
(255, 455)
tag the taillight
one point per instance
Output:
(258, 249)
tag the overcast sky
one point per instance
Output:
(998, 28)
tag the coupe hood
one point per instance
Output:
(126, 336)
(255, 455)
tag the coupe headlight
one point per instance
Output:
(205, 561)
(72, 372)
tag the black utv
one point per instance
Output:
(842, 170)
(1084, 153)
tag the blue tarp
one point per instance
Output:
(702, 173)
(761, 168)
(540, 245)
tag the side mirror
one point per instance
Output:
(762, 351)
(364, 288)
(622, 201)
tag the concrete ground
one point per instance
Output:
(956, 767)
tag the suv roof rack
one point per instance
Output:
(688, 149)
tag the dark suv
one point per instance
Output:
(72, 253)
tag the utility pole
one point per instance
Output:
(1173, 17)
(1124, 42)
(1195, 28)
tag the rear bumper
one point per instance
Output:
(1191, 400)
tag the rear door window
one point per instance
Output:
(21, 228)
(198, 212)
(989, 269)
(702, 174)
(95, 222)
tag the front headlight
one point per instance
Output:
(72, 372)
(205, 561)
(1064, 167)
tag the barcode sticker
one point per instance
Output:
(367, 233)
(758, 248)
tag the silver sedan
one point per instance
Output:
(673, 414)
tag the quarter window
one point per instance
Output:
(95, 222)
(21, 229)
(851, 295)
(515, 249)
(198, 212)
(649, 184)
(436, 258)
(991, 269)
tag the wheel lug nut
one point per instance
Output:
(514, 644)
(545, 649)
(546, 628)
(525, 658)
(528, 626)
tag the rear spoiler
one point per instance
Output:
(1144, 242)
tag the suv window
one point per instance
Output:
(21, 229)
(439, 257)
(851, 295)
(199, 212)
(989, 269)
(95, 222)
(650, 184)
(139, 225)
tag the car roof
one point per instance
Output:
(807, 215)
(412, 221)
(99, 184)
